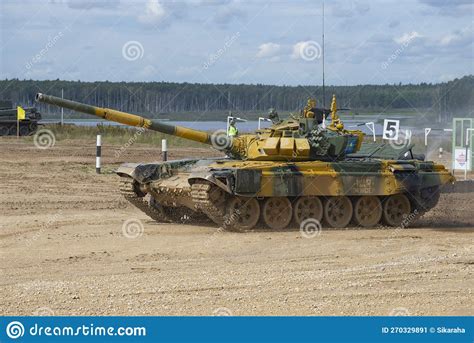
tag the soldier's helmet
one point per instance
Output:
(272, 113)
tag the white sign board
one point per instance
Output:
(460, 159)
(390, 129)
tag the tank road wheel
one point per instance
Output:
(24, 131)
(338, 211)
(242, 214)
(395, 209)
(277, 212)
(367, 211)
(308, 207)
(32, 128)
(4, 130)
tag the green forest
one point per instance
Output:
(441, 101)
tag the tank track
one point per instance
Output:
(209, 200)
(127, 189)
(184, 215)
(424, 201)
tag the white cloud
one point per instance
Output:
(188, 71)
(268, 50)
(463, 36)
(229, 12)
(407, 37)
(88, 4)
(154, 13)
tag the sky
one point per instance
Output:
(230, 41)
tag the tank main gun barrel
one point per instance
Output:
(136, 120)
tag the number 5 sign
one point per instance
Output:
(390, 129)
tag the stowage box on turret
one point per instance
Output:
(299, 169)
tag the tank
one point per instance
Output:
(8, 120)
(305, 170)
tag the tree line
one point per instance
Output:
(444, 100)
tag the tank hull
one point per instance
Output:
(209, 186)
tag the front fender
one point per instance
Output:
(223, 180)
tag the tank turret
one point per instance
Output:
(295, 139)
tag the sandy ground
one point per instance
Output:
(63, 252)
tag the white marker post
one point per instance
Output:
(98, 154)
(408, 134)
(164, 149)
(260, 119)
(371, 126)
(467, 152)
(427, 132)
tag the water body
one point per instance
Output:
(350, 123)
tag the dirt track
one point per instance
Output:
(63, 251)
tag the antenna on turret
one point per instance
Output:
(324, 90)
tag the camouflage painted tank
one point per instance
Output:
(8, 120)
(298, 169)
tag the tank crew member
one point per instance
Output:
(273, 116)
